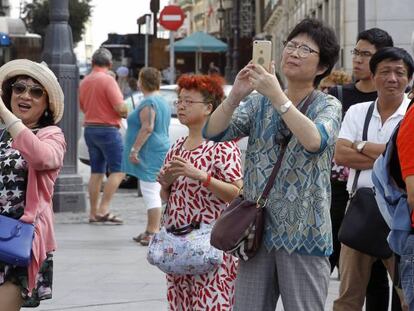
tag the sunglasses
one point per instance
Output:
(35, 91)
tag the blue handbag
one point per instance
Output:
(15, 241)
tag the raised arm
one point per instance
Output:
(304, 129)
(221, 117)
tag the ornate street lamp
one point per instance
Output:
(58, 53)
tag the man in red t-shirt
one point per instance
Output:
(405, 149)
(102, 103)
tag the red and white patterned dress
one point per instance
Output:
(190, 201)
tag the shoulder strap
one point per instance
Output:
(133, 101)
(364, 137)
(410, 104)
(263, 198)
(367, 120)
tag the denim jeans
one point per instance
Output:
(105, 148)
(407, 271)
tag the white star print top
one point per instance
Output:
(13, 179)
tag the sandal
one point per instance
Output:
(144, 238)
(110, 218)
(139, 237)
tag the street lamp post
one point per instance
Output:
(147, 26)
(236, 38)
(58, 53)
(220, 16)
(361, 15)
(227, 23)
(145, 19)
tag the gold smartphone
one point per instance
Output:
(262, 53)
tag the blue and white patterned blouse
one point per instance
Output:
(297, 212)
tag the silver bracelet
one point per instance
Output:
(12, 123)
(134, 150)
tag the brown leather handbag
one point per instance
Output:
(239, 229)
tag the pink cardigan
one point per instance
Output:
(44, 154)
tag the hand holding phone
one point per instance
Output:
(262, 53)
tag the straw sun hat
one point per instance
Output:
(43, 75)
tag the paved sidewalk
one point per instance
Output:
(100, 268)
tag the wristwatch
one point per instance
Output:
(360, 146)
(285, 107)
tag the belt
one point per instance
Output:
(100, 125)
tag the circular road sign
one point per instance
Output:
(171, 17)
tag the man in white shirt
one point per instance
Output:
(391, 70)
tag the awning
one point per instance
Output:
(200, 42)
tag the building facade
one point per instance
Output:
(232, 21)
(280, 16)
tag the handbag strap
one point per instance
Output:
(133, 101)
(262, 200)
(364, 138)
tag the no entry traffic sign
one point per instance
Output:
(171, 17)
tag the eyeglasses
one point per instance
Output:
(188, 102)
(303, 50)
(364, 54)
(35, 91)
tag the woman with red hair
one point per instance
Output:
(198, 179)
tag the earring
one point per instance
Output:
(46, 113)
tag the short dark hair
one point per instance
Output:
(377, 37)
(326, 40)
(392, 53)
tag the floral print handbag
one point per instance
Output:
(185, 250)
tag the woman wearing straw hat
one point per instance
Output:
(31, 155)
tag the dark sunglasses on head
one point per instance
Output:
(35, 91)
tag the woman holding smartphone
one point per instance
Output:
(293, 259)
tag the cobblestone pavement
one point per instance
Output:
(99, 267)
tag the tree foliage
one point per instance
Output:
(36, 16)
